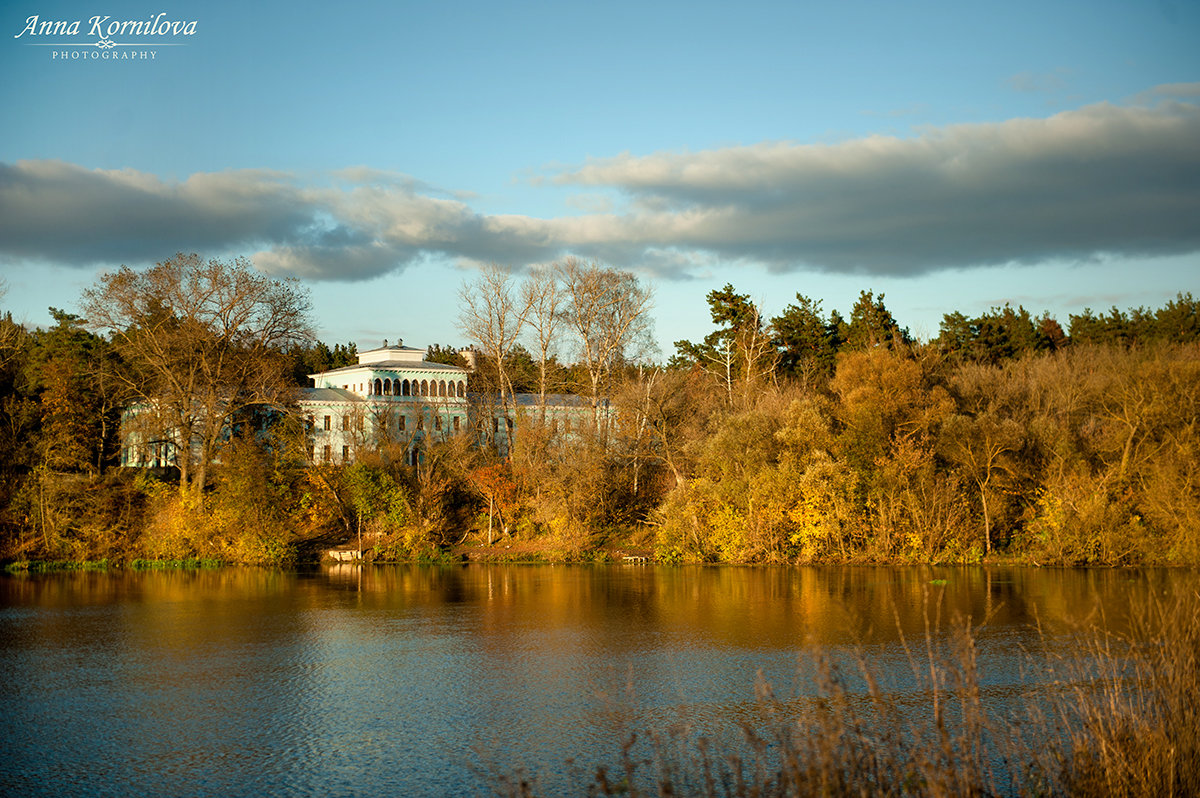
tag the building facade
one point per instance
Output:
(391, 394)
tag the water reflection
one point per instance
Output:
(394, 680)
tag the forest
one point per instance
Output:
(807, 437)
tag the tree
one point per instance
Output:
(739, 351)
(492, 317)
(1178, 320)
(66, 370)
(984, 446)
(805, 339)
(451, 356)
(205, 342)
(609, 311)
(872, 325)
(495, 482)
(543, 295)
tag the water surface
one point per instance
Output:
(415, 680)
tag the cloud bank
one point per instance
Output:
(1103, 180)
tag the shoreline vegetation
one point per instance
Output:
(805, 438)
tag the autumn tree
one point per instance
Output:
(543, 295)
(73, 410)
(609, 313)
(985, 446)
(205, 342)
(491, 315)
(495, 482)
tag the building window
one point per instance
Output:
(327, 453)
(327, 423)
(404, 388)
(345, 454)
(358, 423)
(402, 423)
(456, 423)
(345, 423)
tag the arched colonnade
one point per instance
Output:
(398, 387)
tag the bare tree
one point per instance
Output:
(492, 316)
(609, 312)
(11, 333)
(757, 354)
(205, 342)
(542, 294)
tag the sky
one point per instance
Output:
(952, 156)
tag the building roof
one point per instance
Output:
(328, 395)
(555, 400)
(397, 365)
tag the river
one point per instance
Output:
(420, 680)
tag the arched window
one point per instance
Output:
(378, 387)
(424, 388)
(387, 387)
(462, 390)
(441, 387)
(404, 388)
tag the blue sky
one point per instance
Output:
(954, 156)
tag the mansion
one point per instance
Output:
(392, 393)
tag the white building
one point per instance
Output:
(393, 393)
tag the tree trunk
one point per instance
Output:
(987, 521)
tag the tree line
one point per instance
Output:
(805, 437)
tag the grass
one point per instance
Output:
(184, 563)
(1119, 717)
(48, 566)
